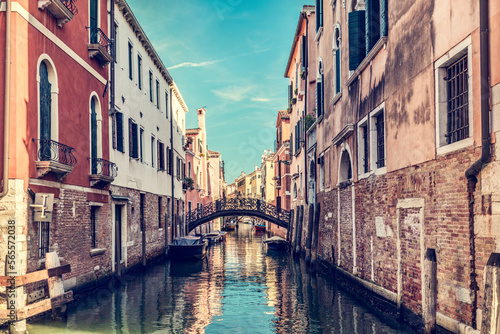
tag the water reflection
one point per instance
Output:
(238, 288)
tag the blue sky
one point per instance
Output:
(228, 56)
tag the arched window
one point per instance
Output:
(320, 91)
(48, 129)
(345, 168)
(95, 133)
(336, 57)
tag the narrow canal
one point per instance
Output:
(238, 288)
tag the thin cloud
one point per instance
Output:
(190, 64)
(260, 99)
(232, 93)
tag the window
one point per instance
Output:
(166, 104)
(150, 86)
(363, 147)
(367, 23)
(157, 95)
(139, 71)
(321, 163)
(119, 132)
(319, 14)
(43, 239)
(377, 138)
(152, 151)
(320, 92)
(141, 145)
(336, 58)
(115, 44)
(93, 224)
(189, 169)
(379, 124)
(161, 156)
(453, 74)
(159, 211)
(130, 66)
(133, 140)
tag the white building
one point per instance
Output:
(147, 131)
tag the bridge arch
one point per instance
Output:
(237, 207)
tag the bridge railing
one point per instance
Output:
(247, 204)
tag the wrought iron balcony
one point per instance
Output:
(62, 10)
(103, 172)
(99, 46)
(54, 157)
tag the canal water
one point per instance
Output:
(238, 288)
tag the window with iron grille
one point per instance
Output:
(380, 140)
(43, 239)
(458, 101)
(93, 222)
(366, 166)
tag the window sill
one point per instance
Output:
(455, 146)
(97, 251)
(336, 98)
(380, 171)
(318, 34)
(369, 57)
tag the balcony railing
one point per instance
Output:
(103, 171)
(62, 10)
(99, 46)
(50, 150)
(70, 4)
(104, 167)
(54, 157)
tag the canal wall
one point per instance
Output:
(376, 231)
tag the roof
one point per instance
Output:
(141, 35)
(308, 10)
(193, 131)
(283, 114)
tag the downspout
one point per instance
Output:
(112, 67)
(305, 104)
(6, 115)
(472, 172)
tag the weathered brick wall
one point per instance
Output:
(70, 237)
(346, 244)
(443, 187)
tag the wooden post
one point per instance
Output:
(430, 291)
(15, 300)
(491, 307)
(56, 285)
(118, 248)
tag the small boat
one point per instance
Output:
(230, 226)
(259, 227)
(187, 248)
(276, 243)
(214, 237)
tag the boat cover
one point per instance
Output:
(186, 241)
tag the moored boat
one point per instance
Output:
(187, 248)
(230, 226)
(214, 236)
(259, 227)
(276, 243)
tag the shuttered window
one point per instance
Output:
(319, 98)
(319, 14)
(119, 132)
(139, 71)
(303, 58)
(150, 86)
(133, 139)
(372, 24)
(130, 67)
(356, 38)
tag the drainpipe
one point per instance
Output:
(171, 167)
(6, 115)
(472, 172)
(112, 67)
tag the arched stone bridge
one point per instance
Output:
(238, 207)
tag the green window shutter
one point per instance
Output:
(304, 52)
(384, 27)
(290, 95)
(356, 38)
(119, 132)
(337, 71)
(372, 22)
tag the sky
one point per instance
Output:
(228, 56)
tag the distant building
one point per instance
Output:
(267, 184)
